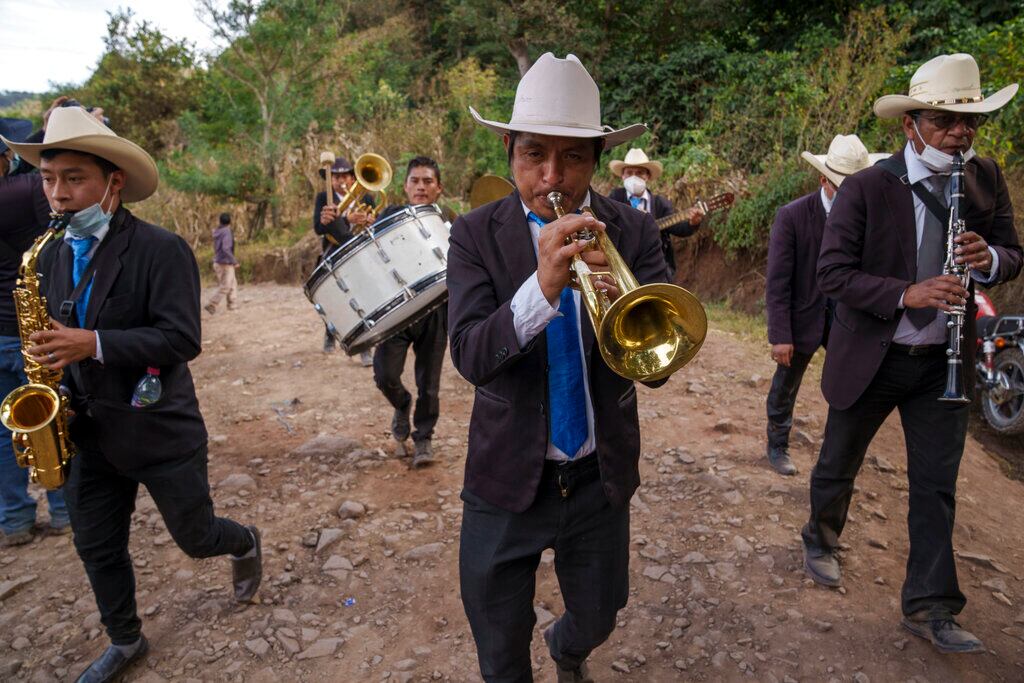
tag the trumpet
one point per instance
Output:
(649, 331)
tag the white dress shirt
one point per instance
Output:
(935, 331)
(826, 202)
(645, 204)
(531, 313)
(99, 235)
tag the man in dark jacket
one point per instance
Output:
(554, 438)
(881, 260)
(638, 173)
(24, 214)
(798, 313)
(428, 338)
(336, 228)
(124, 299)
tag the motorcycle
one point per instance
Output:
(1000, 367)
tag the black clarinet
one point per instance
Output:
(958, 312)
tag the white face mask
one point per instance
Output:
(935, 159)
(88, 221)
(635, 185)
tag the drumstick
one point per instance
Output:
(326, 161)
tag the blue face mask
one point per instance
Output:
(88, 221)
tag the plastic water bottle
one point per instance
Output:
(148, 390)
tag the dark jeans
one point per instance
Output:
(935, 434)
(101, 500)
(429, 339)
(782, 398)
(498, 559)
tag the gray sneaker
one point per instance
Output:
(423, 455)
(822, 568)
(945, 634)
(19, 537)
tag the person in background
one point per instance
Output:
(24, 215)
(638, 173)
(224, 264)
(798, 313)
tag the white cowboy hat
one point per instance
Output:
(75, 129)
(636, 157)
(945, 83)
(558, 97)
(846, 155)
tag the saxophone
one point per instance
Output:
(37, 413)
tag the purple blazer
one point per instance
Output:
(490, 255)
(869, 257)
(796, 307)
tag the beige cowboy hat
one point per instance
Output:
(945, 83)
(636, 157)
(846, 155)
(558, 97)
(75, 129)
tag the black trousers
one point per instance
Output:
(935, 433)
(498, 559)
(429, 340)
(101, 500)
(782, 398)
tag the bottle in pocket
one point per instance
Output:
(148, 390)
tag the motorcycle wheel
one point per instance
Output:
(1008, 417)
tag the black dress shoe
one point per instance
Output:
(247, 572)
(400, 426)
(112, 664)
(778, 458)
(579, 674)
(946, 635)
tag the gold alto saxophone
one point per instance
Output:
(37, 412)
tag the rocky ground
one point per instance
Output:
(361, 553)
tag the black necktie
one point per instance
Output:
(931, 254)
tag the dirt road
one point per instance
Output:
(372, 594)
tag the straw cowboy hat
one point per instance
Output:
(74, 129)
(846, 155)
(945, 83)
(636, 157)
(558, 97)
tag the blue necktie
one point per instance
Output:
(568, 425)
(635, 202)
(81, 247)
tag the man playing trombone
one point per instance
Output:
(554, 437)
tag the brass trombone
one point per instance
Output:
(649, 331)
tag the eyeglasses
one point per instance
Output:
(948, 120)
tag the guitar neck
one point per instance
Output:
(714, 204)
(671, 219)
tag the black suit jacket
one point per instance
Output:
(145, 305)
(490, 255)
(339, 231)
(796, 308)
(869, 257)
(661, 207)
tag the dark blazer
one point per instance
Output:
(661, 207)
(490, 255)
(339, 231)
(869, 257)
(796, 307)
(145, 305)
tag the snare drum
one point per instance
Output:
(383, 279)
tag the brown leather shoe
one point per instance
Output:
(247, 571)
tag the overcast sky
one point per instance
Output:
(60, 41)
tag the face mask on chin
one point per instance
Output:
(635, 185)
(935, 159)
(88, 221)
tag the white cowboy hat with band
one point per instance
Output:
(945, 83)
(75, 129)
(846, 155)
(558, 97)
(636, 157)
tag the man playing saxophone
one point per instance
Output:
(881, 261)
(124, 298)
(554, 436)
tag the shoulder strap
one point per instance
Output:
(898, 167)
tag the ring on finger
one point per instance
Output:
(52, 357)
